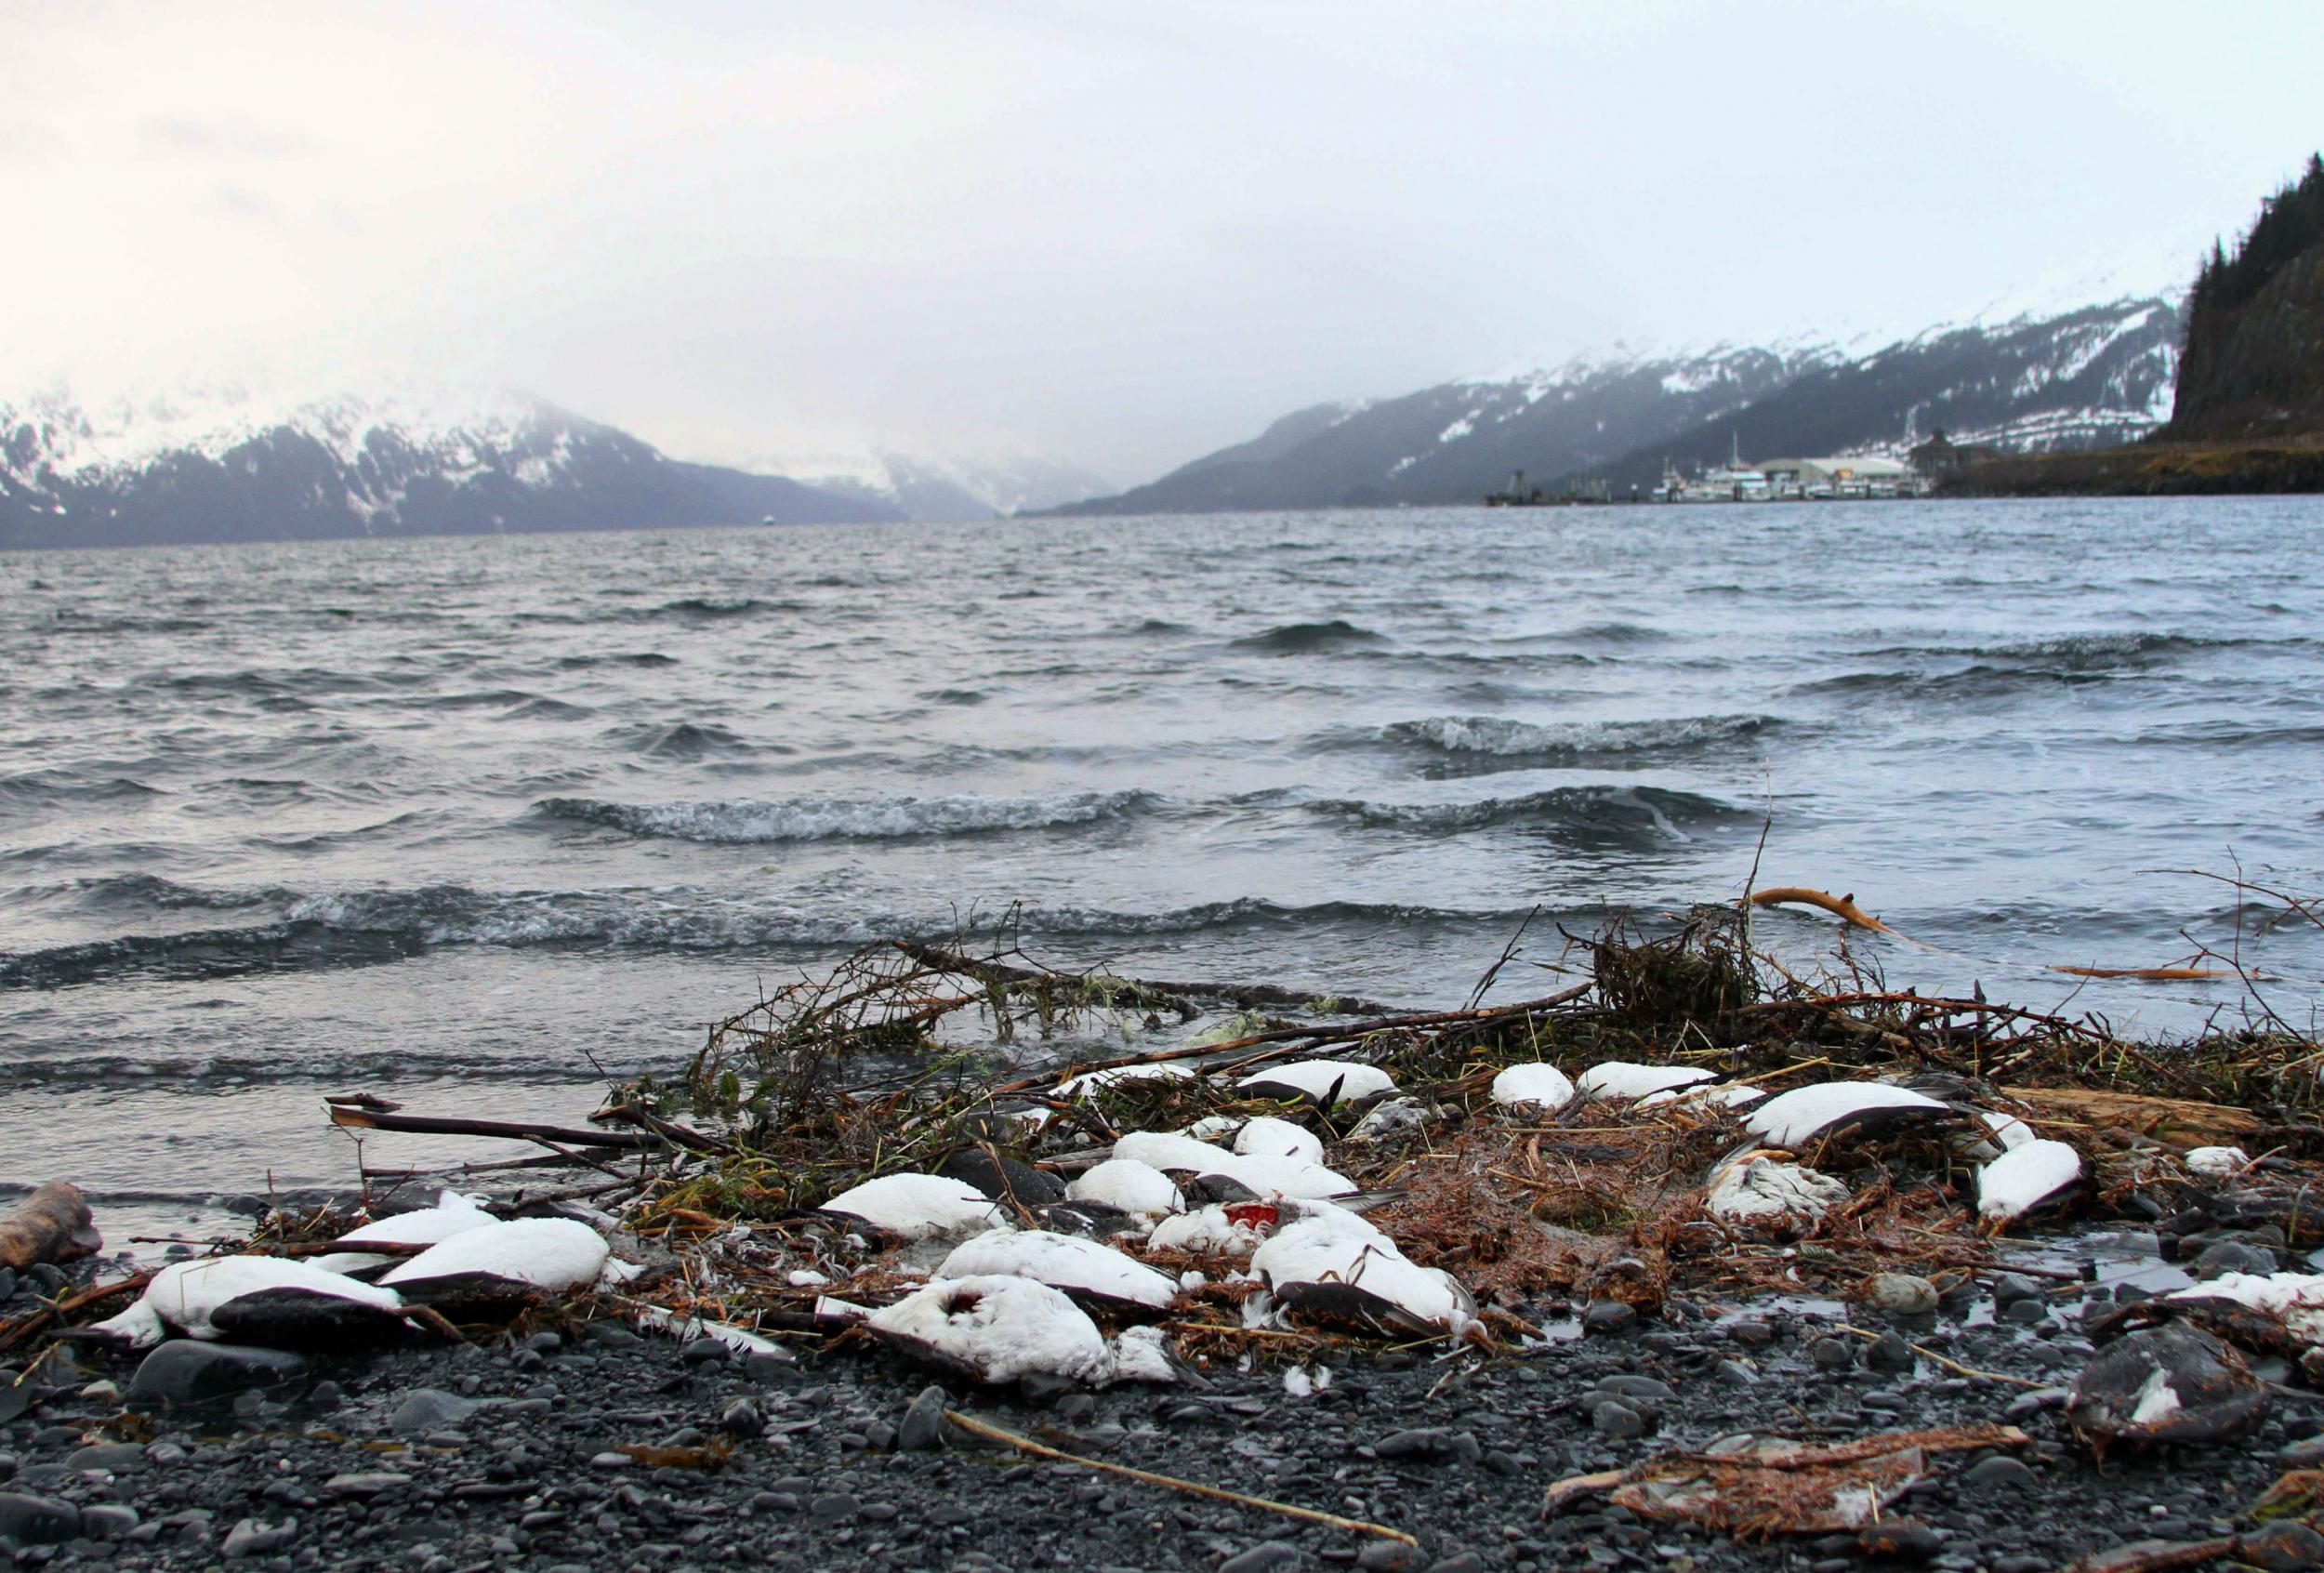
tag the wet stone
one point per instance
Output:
(1890, 1352)
(2284, 1547)
(2025, 1312)
(923, 1424)
(30, 1520)
(1900, 1294)
(1998, 1473)
(2012, 1287)
(1608, 1316)
(1267, 1556)
(2231, 1256)
(1832, 1355)
(1613, 1418)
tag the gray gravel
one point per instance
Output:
(510, 1458)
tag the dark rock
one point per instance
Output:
(833, 1505)
(1608, 1316)
(2009, 1287)
(1614, 1418)
(1388, 1556)
(741, 1418)
(2231, 1256)
(1736, 1373)
(108, 1521)
(2026, 1312)
(1267, 1556)
(2028, 1404)
(37, 1520)
(251, 1538)
(923, 1424)
(366, 1483)
(119, 1458)
(1041, 1389)
(707, 1351)
(1901, 1539)
(8, 1283)
(2306, 1453)
(1890, 1352)
(1832, 1355)
(2000, 1473)
(187, 1371)
(1459, 1562)
(2173, 1383)
(1646, 1387)
(1430, 1445)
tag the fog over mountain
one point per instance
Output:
(1112, 236)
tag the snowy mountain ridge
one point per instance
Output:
(227, 465)
(2093, 374)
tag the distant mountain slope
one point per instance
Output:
(942, 491)
(2098, 374)
(132, 475)
(2090, 378)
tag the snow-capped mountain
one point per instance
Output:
(2096, 373)
(231, 466)
(948, 490)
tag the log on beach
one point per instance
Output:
(53, 1224)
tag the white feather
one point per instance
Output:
(549, 1253)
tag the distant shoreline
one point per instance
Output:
(2277, 467)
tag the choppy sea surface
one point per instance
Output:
(455, 821)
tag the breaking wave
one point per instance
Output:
(1500, 737)
(1628, 814)
(827, 819)
(373, 928)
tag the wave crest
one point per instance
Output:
(831, 819)
(1501, 738)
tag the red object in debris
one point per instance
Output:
(1256, 1215)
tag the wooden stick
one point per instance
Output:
(18, 1331)
(1302, 1035)
(356, 1116)
(1027, 1445)
(1953, 1365)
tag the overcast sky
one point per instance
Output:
(1121, 233)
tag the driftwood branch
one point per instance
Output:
(53, 1224)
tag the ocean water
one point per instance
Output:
(458, 822)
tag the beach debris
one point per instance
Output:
(1267, 1136)
(52, 1224)
(1327, 1083)
(1755, 1487)
(1333, 1263)
(1083, 1268)
(186, 1296)
(1536, 1085)
(2175, 1384)
(2217, 1163)
(1762, 1193)
(1388, 1116)
(996, 1327)
(916, 1207)
(1129, 1184)
(2025, 1177)
(1794, 1118)
(1995, 1135)
(1622, 1081)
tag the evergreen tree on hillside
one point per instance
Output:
(2289, 222)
